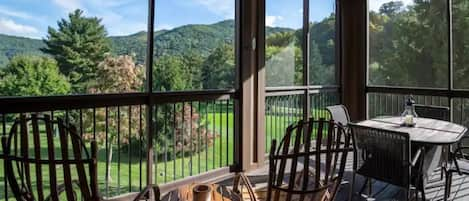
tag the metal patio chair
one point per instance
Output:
(385, 156)
(339, 114)
(439, 113)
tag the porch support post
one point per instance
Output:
(354, 16)
(149, 90)
(246, 145)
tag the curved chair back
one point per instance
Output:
(316, 144)
(433, 112)
(339, 114)
(36, 161)
(382, 154)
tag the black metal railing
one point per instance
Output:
(193, 133)
(388, 104)
(285, 105)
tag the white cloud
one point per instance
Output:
(223, 8)
(163, 26)
(69, 5)
(10, 27)
(14, 13)
(376, 4)
(272, 20)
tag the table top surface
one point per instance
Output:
(430, 131)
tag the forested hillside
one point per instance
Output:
(197, 38)
(13, 45)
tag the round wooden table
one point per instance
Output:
(426, 131)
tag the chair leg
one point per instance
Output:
(448, 182)
(408, 194)
(416, 194)
(423, 194)
(370, 188)
(352, 186)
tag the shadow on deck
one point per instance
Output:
(382, 191)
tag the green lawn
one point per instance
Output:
(126, 174)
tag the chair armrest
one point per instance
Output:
(417, 156)
(150, 192)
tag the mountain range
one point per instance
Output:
(197, 38)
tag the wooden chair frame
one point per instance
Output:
(328, 154)
(18, 163)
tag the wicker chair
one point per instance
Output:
(390, 162)
(26, 158)
(318, 180)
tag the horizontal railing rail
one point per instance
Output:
(47, 103)
(453, 93)
(294, 90)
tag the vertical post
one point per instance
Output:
(354, 15)
(305, 48)
(261, 84)
(246, 105)
(149, 89)
(450, 56)
(238, 120)
(338, 46)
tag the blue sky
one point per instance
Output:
(30, 18)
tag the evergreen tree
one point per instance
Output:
(78, 45)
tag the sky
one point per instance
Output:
(31, 18)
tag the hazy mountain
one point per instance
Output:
(198, 38)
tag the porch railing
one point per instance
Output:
(284, 106)
(193, 133)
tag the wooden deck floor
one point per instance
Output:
(383, 191)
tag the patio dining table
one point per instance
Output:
(431, 133)
(426, 131)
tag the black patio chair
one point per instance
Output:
(433, 112)
(460, 165)
(439, 113)
(339, 114)
(384, 155)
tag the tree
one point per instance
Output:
(78, 45)
(32, 76)
(218, 70)
(117, 74)
(284, 62)
(391, 8)
(169, 74)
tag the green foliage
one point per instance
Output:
(218, 70)
(284, 62)
(32, 76)
(169, 74)
(409, 47)
(78, 45)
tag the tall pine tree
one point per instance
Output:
(79, 45)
